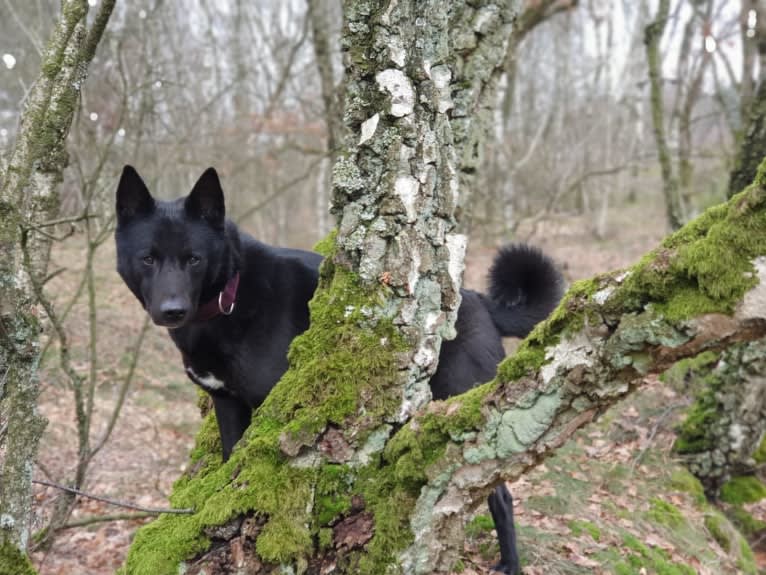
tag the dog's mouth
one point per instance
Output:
(170, 325)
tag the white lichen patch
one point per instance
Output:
(406, 187)
(308, 460)
(737, 436)
(622, 277)
(441, 76)
(413, 276)
(566, 355)
(375, 443)
(368, 128)
(424, 356)
(416, 394)
(386, 16)
(753, 305)
(456, 244)
(602, 295)
(433, 319)
(484, 18)
(396, 52)
(399, 87)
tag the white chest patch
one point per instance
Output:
(208, 382)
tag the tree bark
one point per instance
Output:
(28, 199)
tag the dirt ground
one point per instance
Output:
(155, 431)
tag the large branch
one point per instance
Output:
(704, 289)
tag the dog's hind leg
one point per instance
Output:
(501, 507)
(233, 416)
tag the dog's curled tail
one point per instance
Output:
(524, 287)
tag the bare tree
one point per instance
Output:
(28, 208)
(652, 37)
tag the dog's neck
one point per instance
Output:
(223, 304)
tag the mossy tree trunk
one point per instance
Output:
(28, 201)
(652, 38)
(722, 435)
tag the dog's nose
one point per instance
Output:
(173, 311)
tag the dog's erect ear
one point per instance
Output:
(133, 197)
(206, 199)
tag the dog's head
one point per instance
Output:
(172, 255)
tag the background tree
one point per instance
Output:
(28, 208)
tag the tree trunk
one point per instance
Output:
(28, 199)
(753, 147)
(652, 37)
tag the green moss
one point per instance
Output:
(681, 373)
(717, 525)
(326, 246)
(665, 513)
(760, 454)
(332, 493)
(579, 527)
(390, 502)
(479, 525)
(748, 525)
(526, 360)
(655, 560)
(323, 385)
(14, 562)
(325, 538)
(746, 489)
(683, 480)
(704, 267)
(694, 434)
(746, 562)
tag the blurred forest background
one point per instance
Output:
(251, 88)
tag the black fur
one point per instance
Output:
(175, 256)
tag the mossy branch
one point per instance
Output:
(702, 290)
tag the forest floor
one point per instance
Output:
(576, 512)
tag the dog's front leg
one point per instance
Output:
(233, 416)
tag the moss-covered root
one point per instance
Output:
(724, 428)
(14, 562)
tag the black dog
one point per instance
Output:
(232, 304)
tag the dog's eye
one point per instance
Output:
(194, 260)
(148, 260)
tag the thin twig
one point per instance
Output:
(655, 428)
(85, 521)
(114, 502)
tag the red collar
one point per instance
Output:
(223, 304)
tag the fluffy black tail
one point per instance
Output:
(524, 287)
